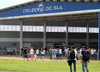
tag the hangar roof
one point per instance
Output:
(33, 9)
(19, 5)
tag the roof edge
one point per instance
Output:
(14, 6)
(47, 1)
(52, 14)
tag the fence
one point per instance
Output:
(5, 52)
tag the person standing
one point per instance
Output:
(95, 54)
(57, 53)
(80, 53)
(35, 56)
(92, 54)
(54, 54)
(50, 52)
(98, 53)
(66, 53)
(21, 51)
(42, 54)
(60, 53)
(31, 53)
(72, 57)
(25, 54)
(75, 49)
(85, 55)
(45, 51)
(28, 53)
(37, 52)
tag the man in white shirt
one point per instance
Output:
(80, 53)
(60, 53)
(66, 52)
(75, 54)
(37, 52)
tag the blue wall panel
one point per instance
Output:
(49, 7)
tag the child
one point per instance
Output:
(35, 56)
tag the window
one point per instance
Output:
(1, 28)
(41, 29)
(18, 28)
(77, 29)
(34, 28)
(9, 28)
(38, 29)
(30, 28)
(55, 29)
(93, 30)
(48, 29)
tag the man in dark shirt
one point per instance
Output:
(28, 53)
(25, 54)
(72, 58)
(84, 59)
(21, 51)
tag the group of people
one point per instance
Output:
(30, 53)
(85, 56)
(55, 53)
(71, 53)
(93, 53)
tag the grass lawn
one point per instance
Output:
(46, 66)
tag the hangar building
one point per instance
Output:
(48, 23)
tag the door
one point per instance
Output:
(27, 45)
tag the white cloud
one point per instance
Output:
(8, 3)
(22, 1)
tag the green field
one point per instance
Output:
(46, 66)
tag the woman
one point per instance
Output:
(31, 54)
(42, 54)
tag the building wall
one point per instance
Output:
(36, 39)
(9, 34)
(9, 45)
(32, 35)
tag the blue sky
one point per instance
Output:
(8, 3)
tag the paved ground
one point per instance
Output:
(10, 57)
(21, 58)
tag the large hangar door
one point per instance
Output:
(37, 45)
(51, 45)
(27, 45)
